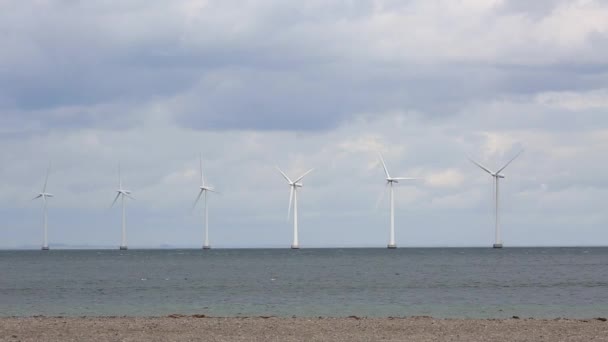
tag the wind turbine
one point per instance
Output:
(293, 198)
(496, 176)
(391, 181)
(122, 193)
(43, 194)
(204, 189)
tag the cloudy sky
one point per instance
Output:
(324, 84)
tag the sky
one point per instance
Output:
(86, 85)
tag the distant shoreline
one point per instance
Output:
(196, 327)
(114, 248)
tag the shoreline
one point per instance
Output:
(178, 327)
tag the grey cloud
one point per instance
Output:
(308, 67)
(536, 9)
(323, 96)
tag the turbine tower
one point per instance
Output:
(496, 176)
(293, 198)
(391, 181)
(122, 193)
(204, 188)
(44, 195)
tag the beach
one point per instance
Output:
(199, 327)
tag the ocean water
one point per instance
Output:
(440, 282)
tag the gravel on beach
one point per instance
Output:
(201, 328)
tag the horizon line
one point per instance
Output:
(76, 247)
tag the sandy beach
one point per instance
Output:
(190, 328)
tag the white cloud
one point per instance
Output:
(445, 178)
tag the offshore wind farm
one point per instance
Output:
(123, 194)
(204, 189)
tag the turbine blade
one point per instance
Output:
(290, 202)
(481, 166)
(46, 180)
(507, 164)
(404, 178)
(115, 199)
(384, 165)
(201, 166)
(284, 175)
(119, 177)
(381, 197)
(200, 193)
(304, 175)
(36, 197)
(129, 196)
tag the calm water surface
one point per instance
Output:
(450, 282)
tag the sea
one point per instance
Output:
(374, 282)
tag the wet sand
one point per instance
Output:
(192, 328)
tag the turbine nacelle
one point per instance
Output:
(390, 179)
(497, 173)
(44, 194)
(294, 185)
(396, 180)
(121, 191)
(203, 188)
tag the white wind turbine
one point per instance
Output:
(204, 188)
(122, 193)
(496, 176)
(293, 198)
(390, 181)
(44, 195)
